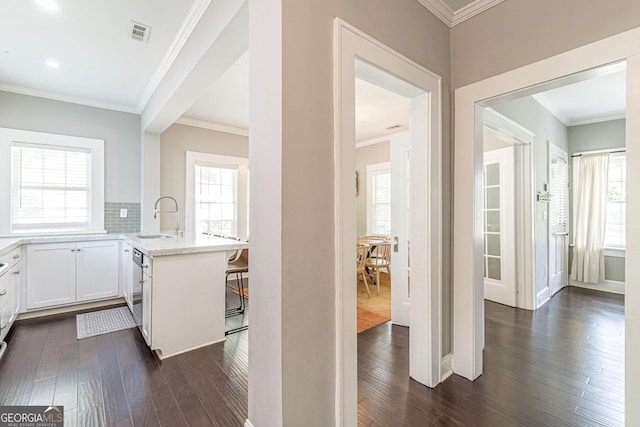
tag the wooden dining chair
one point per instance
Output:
(381, 260)
(363, 254)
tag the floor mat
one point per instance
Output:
(103, 322)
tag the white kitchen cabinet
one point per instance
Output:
(9, 291)
(51, 274)
(146, 307)
(65, 273)
(96, 270)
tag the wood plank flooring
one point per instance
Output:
(560, 366)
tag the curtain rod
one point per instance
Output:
(595, 152)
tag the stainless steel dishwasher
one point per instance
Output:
(138, 281)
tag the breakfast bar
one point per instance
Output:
(183, 289)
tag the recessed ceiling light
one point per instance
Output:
(47, 4)
(53, 64)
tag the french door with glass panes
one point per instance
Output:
(499, 226)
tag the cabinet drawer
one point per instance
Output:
(11, 257)
(6, 311)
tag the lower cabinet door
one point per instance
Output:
(51, 274)
(97, 270)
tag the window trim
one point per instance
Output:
(242, 165)
(96, 146)
(373, 169)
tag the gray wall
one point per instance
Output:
(597, 136)
(592, 137)
(369, 155)
(547, 128)
(305, 119)
(178, 139)
(519, 32)
(120, 131)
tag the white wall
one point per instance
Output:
(178, 139)
(368, 155)
(528, 113)
(120, 131)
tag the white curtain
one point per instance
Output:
(591, 216)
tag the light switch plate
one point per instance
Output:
(123, 213)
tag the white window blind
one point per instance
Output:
(617, 202)
(50, 187)
(381, 202)
(559, 211)
(216, 199)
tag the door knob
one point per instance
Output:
(395, 243)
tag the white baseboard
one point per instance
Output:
(542, 297)
(607, 286)
(247, 423)
(70, 308)
(446, 367)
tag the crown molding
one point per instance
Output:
(186, 121)
(439, 9)
(472, 10)
(597, 119)
(66, 98)
(198, 9)
(378, 140)
(453, 18)
(542, 100)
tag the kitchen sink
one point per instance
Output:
(155, 236)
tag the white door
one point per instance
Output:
(499, 228)
(97, 270)
(558, 218)
(400, 223)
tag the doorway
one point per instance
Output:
(467, 357)
(382, 142)
(358, 55)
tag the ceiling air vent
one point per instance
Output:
(140, 31)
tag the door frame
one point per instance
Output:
(358, 55)
(467, 276)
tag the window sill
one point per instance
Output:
(615, 252)
(54, 233)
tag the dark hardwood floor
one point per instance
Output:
(560, 366)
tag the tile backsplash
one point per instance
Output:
(114, 224)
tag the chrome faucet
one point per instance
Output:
(156, 212)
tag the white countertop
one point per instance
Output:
(187, 244)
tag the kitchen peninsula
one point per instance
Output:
(184, 290)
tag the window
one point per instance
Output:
(49, 187)
(559, 214)
(216, 200)
(50, 182)
(616, 207)
(379, 199)
(217, 194)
